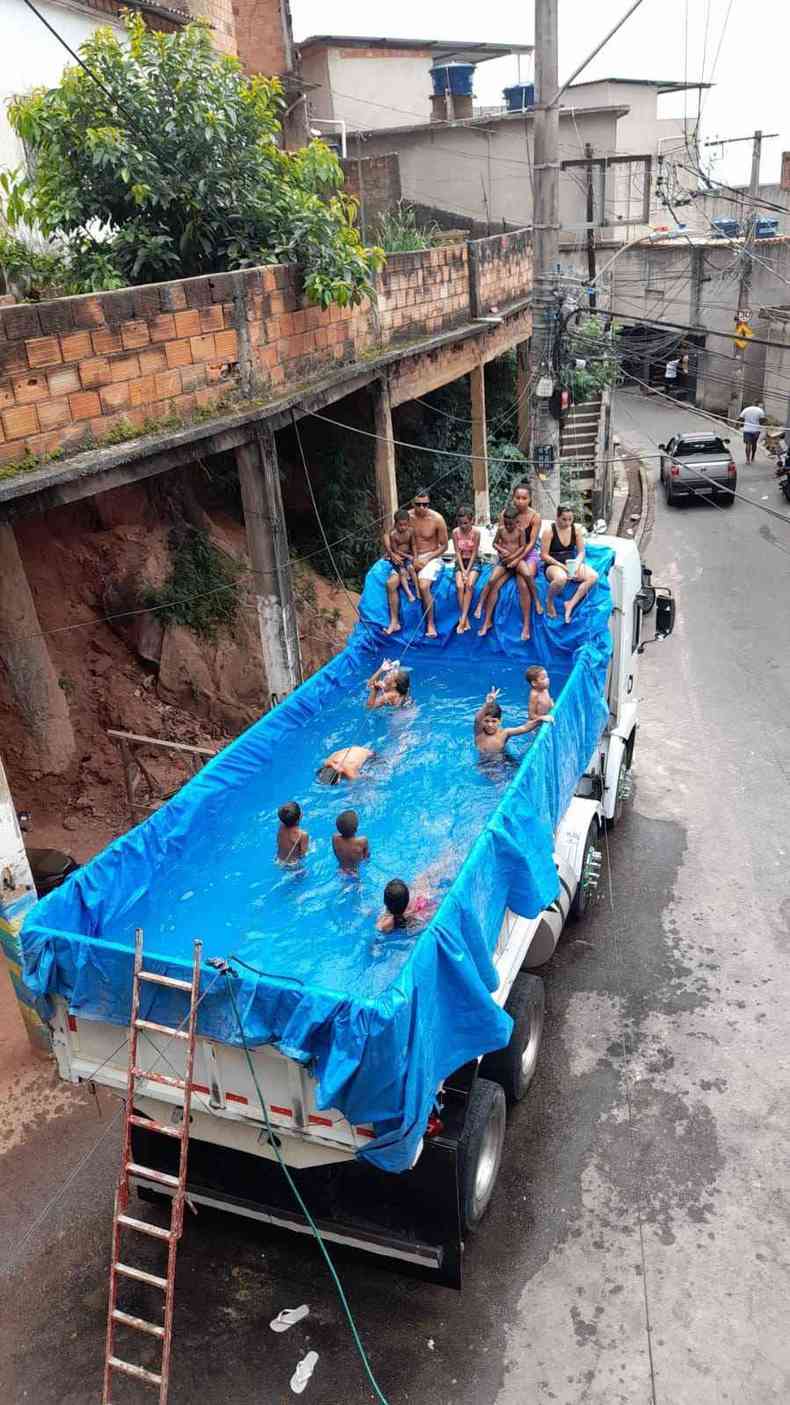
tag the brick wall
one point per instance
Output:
(219, 14)
(75, 370)
(263, 36)
(504, 269)
(375, 182)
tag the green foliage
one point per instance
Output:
(201, 592)
(399, 232)
(171, 168)
(591, 342)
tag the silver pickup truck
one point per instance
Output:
(698, 465)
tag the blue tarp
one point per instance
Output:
(379, 1060)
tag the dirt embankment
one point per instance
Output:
(103, 558)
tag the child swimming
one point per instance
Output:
(540, 699)
(402, 911)
(344, 764)
(292, 842)
(351, 849)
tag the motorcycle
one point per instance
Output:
(49, 867)
(783, 475)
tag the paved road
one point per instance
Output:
(636, 1252)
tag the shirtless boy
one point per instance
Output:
(344, 764)
(430, 543)
(399, 551)
(540, 699)
(491, 737)
(292, 841)
(509, 546)
(351, 849)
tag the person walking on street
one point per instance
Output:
(671, 375)
(752, 418)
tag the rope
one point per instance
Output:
(318, 519)
(273, 1141)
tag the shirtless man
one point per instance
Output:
(491, 737)
(540, 699)
(430, 542)
(345, 764)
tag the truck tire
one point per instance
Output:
(480, 1150)
(668, 493)
(513, 1068)
(588, 882)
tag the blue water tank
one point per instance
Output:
(726, 228)
(766, 229)
(455, 78)
(519, 97)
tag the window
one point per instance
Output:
(701, 446)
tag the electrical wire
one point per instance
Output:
(275, 1145)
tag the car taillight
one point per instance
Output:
(731, 469)
(435, 1126)
(674, 470)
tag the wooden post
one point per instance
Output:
(267, 542)
(479, 445)
(386, 477)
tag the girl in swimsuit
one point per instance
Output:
(466, 542)
(526, 568)
(562, 552)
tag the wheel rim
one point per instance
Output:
(529, 1058)
(488, 1160)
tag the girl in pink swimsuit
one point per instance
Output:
(466, 542)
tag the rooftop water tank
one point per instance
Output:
(455, 78)
(519, 97)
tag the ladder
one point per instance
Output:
(177, 1184)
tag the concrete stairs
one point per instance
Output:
(579, 443)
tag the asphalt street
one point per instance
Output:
(636, 1250)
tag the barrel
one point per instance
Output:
(519, 97)
(455, 78)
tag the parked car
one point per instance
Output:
(694, 465)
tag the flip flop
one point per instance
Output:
(288, 1317)
(303, 1372)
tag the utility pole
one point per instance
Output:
(591, 264)
(545, 436)
(744, 294)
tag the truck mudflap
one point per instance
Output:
(412, 1218)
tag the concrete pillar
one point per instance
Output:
(24, 652)
(267, 542)
(479, 445)
(17, 896)
(522, 395)
(386, 478)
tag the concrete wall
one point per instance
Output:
(370, 87)
(776, 369)
(483, 173)
(74, 370)
(375, 182)
(31, 57)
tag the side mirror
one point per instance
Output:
(665, 616)
(664, 447)
(725, 441)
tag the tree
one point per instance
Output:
(161, 160)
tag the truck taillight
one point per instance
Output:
(435, 1126)
(731, 469)
(674, 470)
(72, 1023)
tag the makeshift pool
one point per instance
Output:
(379, 1021)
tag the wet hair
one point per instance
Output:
(290, 814)
(402, 515)
(509, 514)
(347, 823)
(533, 671)
(463, 512)
(401, 681)
(565, 507)
(327, 775)
(396, 897)
(489, 709)
(523, 486)
(493, 709)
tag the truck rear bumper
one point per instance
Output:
(412, 1218)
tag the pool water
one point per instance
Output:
(421, 805)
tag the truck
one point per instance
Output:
(420, 1214)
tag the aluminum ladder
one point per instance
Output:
(176, 1184)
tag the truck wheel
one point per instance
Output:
(668, 493)
(480, 1150)
(590, 875)
(513, 1068)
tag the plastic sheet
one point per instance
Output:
(376, 1060)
